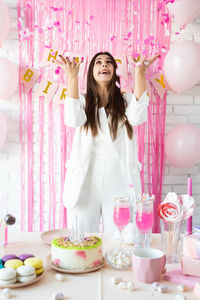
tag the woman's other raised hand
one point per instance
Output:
(71, 68)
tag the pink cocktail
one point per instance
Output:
(144, 221)
(121, 216)
(144, 218)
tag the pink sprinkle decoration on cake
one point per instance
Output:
(81, 254)
(96, 263)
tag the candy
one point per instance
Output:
(118, 258)
(170, 212)
(123, 285)
(58, 296)
(130, 286)
(155, 285)
(162, 289)
(59, 277)
(6, 293)
(181, 287)
(115, 280)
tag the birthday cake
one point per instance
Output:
(76, 255)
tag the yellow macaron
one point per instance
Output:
(13, 263)
(36, 262)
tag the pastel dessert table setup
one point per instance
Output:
(104, 283)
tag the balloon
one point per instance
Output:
(3, 129)
(4, 21)
(8, 78)
(182, 145)
(184, 11)
(182, 65)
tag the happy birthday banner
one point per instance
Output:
(50, 89)
(80, 28)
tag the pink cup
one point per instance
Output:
(148, 264)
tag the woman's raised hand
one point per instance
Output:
(71, 68)
(143, 63)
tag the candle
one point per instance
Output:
(189, 191)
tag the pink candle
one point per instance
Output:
(189, 191)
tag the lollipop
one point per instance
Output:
(170, 212)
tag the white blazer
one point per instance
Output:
(78, 163)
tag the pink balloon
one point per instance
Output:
(3, 129)
(4, 21)
(8, 78)
(182, 65)
(182, 145)
(184, 11)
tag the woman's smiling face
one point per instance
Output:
(103, 69)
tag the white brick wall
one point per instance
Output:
(181, 108)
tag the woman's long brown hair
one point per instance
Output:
(117, 104)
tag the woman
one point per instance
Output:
(103, 161)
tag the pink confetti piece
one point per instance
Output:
(177, 33)
(28, 4)
(57, 71)
(40, 30)
(69, 12)
(56, 23)
(117, 84)
(82, 58)
(129, 34)
(146, 41)
(49, 27)
(92, 17)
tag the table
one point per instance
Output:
(89, 286)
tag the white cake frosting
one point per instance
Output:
(82, 255)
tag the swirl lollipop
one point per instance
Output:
(170, 212)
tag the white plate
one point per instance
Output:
(48, 236)
(72, 271)
(21, 284)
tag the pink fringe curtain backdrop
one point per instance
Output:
(122, 27)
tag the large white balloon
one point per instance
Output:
(182, 65)
(184, 11)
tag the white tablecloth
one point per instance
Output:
(89, 286)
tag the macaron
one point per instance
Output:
(7, 276)
(26, 273)
(1, 264)
(24, 256)
(36, 262)
(13, 263)
(9, 256)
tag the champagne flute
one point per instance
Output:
(144, 219)
(117, 258)
(121, 214)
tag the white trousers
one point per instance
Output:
(106, 179)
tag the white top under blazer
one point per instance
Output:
(84, 143)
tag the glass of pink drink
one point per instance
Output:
(144, 220)
(119, 258)
(121, 214)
